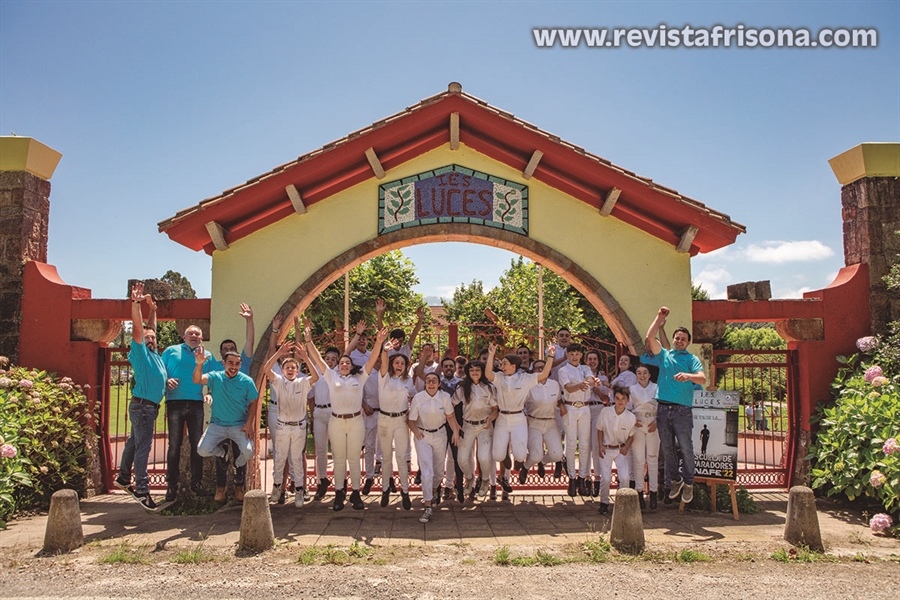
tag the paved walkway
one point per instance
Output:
(528, 519)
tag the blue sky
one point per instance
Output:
(158, 105)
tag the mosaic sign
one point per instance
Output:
(453, 194)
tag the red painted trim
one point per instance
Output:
(747, 311)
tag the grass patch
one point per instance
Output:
(332, 555)
(194, 556)
(125, 555)
(193, 505)
(686, 555)
(501, 556)
(596, 551)
(541, 558)
(800, 554)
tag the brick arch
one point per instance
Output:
(616, 317)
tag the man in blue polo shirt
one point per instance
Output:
(218, 365)
(679, 371)
(184, 405)
(149, 387)
(234, 397)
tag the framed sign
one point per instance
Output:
(715, 433)
(453, 194)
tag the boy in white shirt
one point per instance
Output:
(615, 434)
(292, 389)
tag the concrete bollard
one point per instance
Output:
(627, 529)
(801, 525)
(63, 532)
(257, 532)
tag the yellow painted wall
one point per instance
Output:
(265, 268)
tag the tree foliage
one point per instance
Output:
(515, 303)
(179, 288)
(390, 276)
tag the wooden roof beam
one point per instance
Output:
(217, 235)
(294, 194)
(687, 238)
(375, 163)
(532, 164)
(454, 131)
(609, 201)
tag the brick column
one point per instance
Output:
(870, 200)
(26, 166)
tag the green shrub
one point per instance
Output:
(44, 422)
(702, 501)
(848, 453)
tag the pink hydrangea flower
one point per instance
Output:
(8, 451)
(877, 478)
(5, 382)
(87, 386)
(873, 372)
(4, 361)
(44, 469)
(65, 386)
(891, 446)
(25, 384)
(867, 344)
(880, 381)
(66, 380)
(880, 522)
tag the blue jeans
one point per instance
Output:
(676, 422)
(179, 413)
(210, 445)
(137, 447)
(222, 467)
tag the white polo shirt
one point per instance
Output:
(616, 428)
(542, 400)
(430, 412)
(512, 390)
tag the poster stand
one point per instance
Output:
(712, 482)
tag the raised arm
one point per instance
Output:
(268, 368)
(663, 338)
(651, 343)
(489, 363)
(276, 327)
(373, 357)
(385, 349)
(360, 329)
(151, 320)
(313, 352)
(199, 377)
(137, 319)
(300, 354)
(250, 329)
(379, 314)
(548, 366)
(420, 316)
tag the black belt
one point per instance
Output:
(387, 414)
(481, 422)
(430, 430)
(323, 406)
(510, 412)
(348, 416)
(292, 423)
(617, 447)
(143, 401)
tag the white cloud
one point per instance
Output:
(713, 280)
(792, 293)
(777, 252)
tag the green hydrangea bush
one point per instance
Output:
(47, 439)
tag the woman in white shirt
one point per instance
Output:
(428, 412)
(645, 448)
(395, 389)
(626, 377)
(479, 411)
(600, 397)
(346, 429)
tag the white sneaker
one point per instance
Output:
(677, 486)
(299, 498)
(687, 494)
(426, 516)
(467, 489)
(276, 492)
(483, 490)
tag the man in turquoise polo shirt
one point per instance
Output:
(184, 405)
(149, 387)
(234, 397)
(679, 371)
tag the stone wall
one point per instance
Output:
(24, 220)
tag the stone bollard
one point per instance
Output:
(63, 531)
(627, 530)
(801, 526)
(257, 532)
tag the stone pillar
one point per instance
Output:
(26, 166)
(870, 201)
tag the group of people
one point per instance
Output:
(472, 422)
